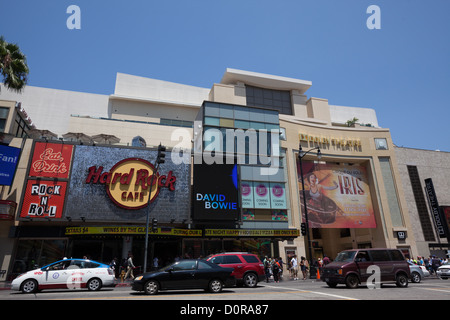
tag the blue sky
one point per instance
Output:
(401, 70)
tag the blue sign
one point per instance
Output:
(9, 158)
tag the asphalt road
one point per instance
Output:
(428, 289)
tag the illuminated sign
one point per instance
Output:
(216, 192)
(131, 183)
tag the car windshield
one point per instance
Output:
(345, 256)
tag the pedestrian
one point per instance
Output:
(113, 265)
(326, 260)
(280, 261)
(435, 264)
(130, 266)
(155, 263)
(267, 268)
(304, 266)
(275, 270)
(294, 267)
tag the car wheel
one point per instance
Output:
(29, 286)
(401, 281)
(215, 286)
(415, 277)
(250, 280)
(94, 284)
(352, 281)
(151, 287)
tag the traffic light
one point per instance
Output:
(154, 225)
(161, 154)
(303, 228)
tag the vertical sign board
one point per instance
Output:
(9, 157)
(216, 196)
(434, 205)
(48, 176)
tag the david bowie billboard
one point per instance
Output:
(121, 184)
(216, 196)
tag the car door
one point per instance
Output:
(56, 275)
(382, 259)
(363, 261)
(181, 275)
(204, 274)
(233, 261)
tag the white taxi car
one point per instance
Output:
(66, 274)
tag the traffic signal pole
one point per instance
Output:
(159, 159)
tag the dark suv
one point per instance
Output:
(248, 269)
(354, 267)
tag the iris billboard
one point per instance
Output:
(336, 196)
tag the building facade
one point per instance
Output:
(418, 170)
(253, 123)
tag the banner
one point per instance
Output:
(277, 196)
(126, 230)
(336, 196)
(262, 195)
(9, 158)
(51, 160)
(43, 199)
(251, 233)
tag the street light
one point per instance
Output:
(301, 154)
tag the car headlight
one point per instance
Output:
(138, 278)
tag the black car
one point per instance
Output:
(186, 274)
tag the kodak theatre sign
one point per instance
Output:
(132, 182)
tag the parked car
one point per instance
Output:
(185, 274)
(417, 272)
(248, 268)
(443, 271)
(66, 274)
(354, 267)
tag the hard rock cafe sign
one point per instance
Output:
(131, 183)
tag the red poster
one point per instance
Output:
(43, 199)
(51, 160)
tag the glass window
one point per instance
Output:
(185, 265)
(241, 113)
(203, 265)
(269, 99)
(226, 111)
(362, 256)
(381, 144)
(212, 121)
(217, 260)
(231, 259)
(250, 259)
(396, 255)
(380, 255)
(345, 256)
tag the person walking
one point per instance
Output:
(294, 267)
(130, 267)
(304, 266)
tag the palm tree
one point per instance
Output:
(13, 66)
